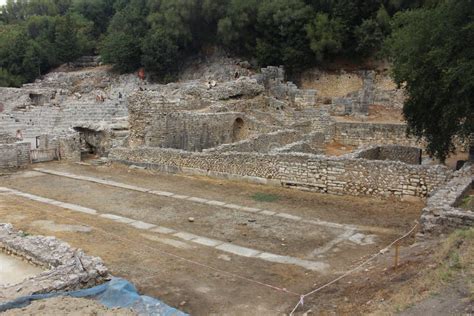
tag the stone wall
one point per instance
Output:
(442, 214)
(14, 155)
(70, 147)
(311, 143)
(261, 143)
(67, 268)
(335, 175)
(55, 120)
(352, 92)
(7, 138)
(406, 154)
(187, 130)
(366, 133)
(273, 79)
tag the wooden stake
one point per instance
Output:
(397, 248)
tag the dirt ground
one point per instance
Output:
(67, 306)
(337, 149)
(450, 300)
(203, 280)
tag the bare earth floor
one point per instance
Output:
(237, 255)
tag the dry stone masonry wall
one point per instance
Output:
(442, 213)
(67, 268)
(335, 175)
(14, 155)
(260, 143)
(367, 133)
(409, 155)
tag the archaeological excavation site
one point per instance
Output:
(228, 191)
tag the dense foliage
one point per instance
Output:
(432, 51)
(36, 35)
(429, 41)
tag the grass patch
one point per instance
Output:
(467, 202)
(454, 259)
(265, 197)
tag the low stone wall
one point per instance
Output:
(334, 175)
(68, 268)
(406, 154)
(14, 155)
(312, 143)
(362, 133)
(261, 143)
(442, 214)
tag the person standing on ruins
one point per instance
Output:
(19, 135)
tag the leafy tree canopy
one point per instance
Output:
(432, 50)
(135, 33)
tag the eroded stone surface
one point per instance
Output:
(67, 268)
(442, 213)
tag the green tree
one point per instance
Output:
(42, 30)
(175, 31)
(122, 44)
(9, 80)
(372, 32)
(66, 41)
(236, 30)
(326, 35)
(122, 50)
(432, 53)
(98, 11)
(281, 38)
(13, 45)
(161, 54)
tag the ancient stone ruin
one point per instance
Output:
(222, 119)
(230, 175)
(66, 268)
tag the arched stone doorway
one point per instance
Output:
(238, 130)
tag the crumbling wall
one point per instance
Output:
(273, 79)
(7, 138)
(68, 268)
(188, 130)
(352, 92)
(335, 175)
(312, 143)
(367, 133)
(260, 143)
(70, 147)
(442, 214)
(406, 154)
(14, 155)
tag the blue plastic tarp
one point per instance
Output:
(115, 293)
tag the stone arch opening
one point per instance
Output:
(238, 130)
(93, 143)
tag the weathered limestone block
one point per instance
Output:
(67, 268)
(441, 214)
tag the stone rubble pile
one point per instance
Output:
(67, 268)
